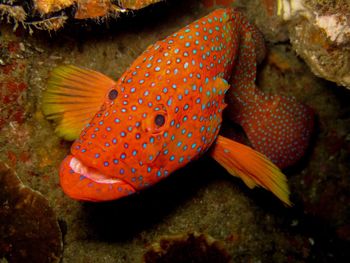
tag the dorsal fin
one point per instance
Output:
(72, 98)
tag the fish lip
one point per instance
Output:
(93, 174)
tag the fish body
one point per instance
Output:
(179, 78)
(165, 111)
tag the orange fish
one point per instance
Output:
(165, 111)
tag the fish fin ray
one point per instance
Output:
(254, 168)
(72, 98)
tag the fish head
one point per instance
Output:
(127, 142)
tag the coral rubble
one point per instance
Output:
(193, 247)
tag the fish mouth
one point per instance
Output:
(78, 167)
(82, 182)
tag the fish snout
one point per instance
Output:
(84, 183)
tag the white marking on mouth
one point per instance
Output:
(94, 175)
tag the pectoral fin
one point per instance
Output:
(72, 98)
(253, 167)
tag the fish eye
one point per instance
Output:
(113, 94)
(159, 120)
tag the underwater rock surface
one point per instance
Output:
(29, 231)
(320, 34)
(318, 30)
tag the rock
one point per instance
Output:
(320, 34)
(193, 247)
(29, 231)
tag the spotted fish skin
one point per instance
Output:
(277, 126)
(179, 78)
(165, 111)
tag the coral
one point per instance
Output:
(91, 9)
(47, 6)
(29, 229)
(51, 15)
(136, 4)
(14, 13)
(193, 247)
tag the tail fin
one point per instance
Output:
(279, 127)
(251, 166)
(276, 126)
